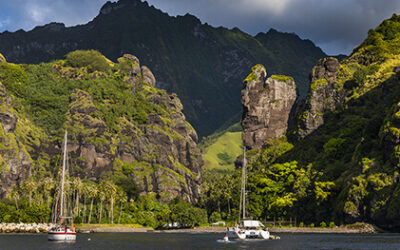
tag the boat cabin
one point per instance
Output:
(252, 224)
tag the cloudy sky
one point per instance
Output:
(336, 26)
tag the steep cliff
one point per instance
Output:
(325, 95)
(118, 125)
(18, 138)
(266, 106)
(202, 64)
(14, 161)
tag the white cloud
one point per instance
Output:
(37, 12)
(274, 7)
(27, 14)
(4, 23)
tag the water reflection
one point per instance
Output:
(121, 241)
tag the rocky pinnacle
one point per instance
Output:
(267, 104)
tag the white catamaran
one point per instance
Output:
(247, 228)
(63, 231)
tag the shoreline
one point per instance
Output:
(134, 228)
(275, 230)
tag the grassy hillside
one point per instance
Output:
(223, 152)
(220, 149)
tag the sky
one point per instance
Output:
(336, 26)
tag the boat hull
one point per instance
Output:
(61, 236)
(242, 234)
(236, 235)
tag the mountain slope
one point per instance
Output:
(119, 126)
(341, 162)
(221, 149)
(202, 64)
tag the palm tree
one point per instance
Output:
(102, 197)
(110, 189)
(77, 186)
(122, 198)
(227, 191)
(85, 192)
(93, 191)
(55, 203)
(15, 195)
(29, 186)
(46, 185)
(68, 192)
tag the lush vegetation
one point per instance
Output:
(83, 93)
(282, 78)
(221, 149)
(348, 170)
(45, 94)
(91, 59)
(201, 63)
(110, 201)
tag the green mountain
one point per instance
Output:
(202, 64)
(341, 160)
(121, 130)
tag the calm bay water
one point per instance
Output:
(120, 241)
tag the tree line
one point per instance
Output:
(105, 202)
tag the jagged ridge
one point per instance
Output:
(202, 64)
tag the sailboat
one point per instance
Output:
(65, 229)
(247, 228)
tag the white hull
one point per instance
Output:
(238, 233)
(58, 235)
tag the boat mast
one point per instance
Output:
(62, 174)
(243, 193)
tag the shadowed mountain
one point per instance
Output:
(202, 64)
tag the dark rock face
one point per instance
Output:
(326, 68)
(148, 76)
(323, 96)
(84, 127)
(137, 72)
(266, 107)
(15, 162)
(173, 155)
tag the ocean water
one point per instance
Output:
(120, 241)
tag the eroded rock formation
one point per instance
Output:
(266, 106)
(324, 95)
(162, 154)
